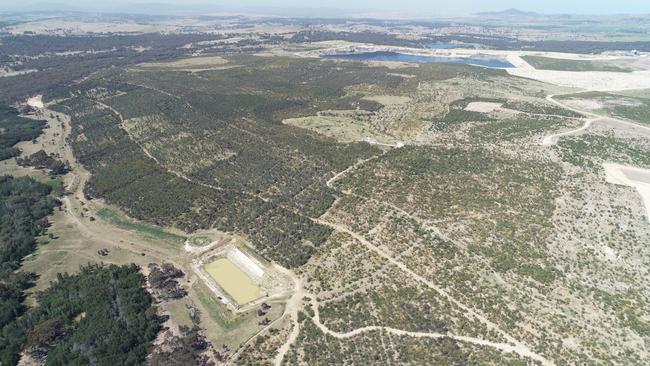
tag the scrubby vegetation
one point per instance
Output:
(514, 195)
(124, 175)
(541, 108)
(186, 349)
(457, 116)
(268, 178)
(448, 220)
(589, 151)
(378, 347)
(60, 61)
(518, 127)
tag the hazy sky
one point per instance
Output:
(470, 6)
(421, 7)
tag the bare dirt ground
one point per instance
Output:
(483, 107)
(5, 72)
(35, 102)
(588, 80)
(191, 64)
(632, 177)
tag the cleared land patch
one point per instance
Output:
(115, 218)
(188, 64)
(632, 177)
(344, 126)
(239, 280)
(387, 99)
(483, 107)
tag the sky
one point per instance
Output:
(352, 7)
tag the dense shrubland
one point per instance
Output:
(261, 177)
(14, 129)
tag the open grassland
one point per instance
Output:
(186, 64)
(115, 218)
(630, 106)
(344, 126)
(233, 280)
(549, 63)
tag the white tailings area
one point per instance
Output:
(632, 177)
(588, 80)
(246, 263)
(36, 102)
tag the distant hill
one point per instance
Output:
(509, 13)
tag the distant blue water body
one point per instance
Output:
(445, 46)
(402, 57)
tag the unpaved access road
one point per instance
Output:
(518, 347)
(508, 348)
(593, 117)
(630, 176)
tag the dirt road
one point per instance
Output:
(473, 340)
(593, 117)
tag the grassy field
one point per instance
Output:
(233, 280)
(549, 63)
(115, 218)
(638, 113)
(631, 106)
(343, 128)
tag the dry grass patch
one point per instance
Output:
(188, 64)
(388, 99)
(343, 126)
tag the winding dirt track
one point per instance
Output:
(339, 335)
(593, 117)
(293, 306)
(519, 347)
